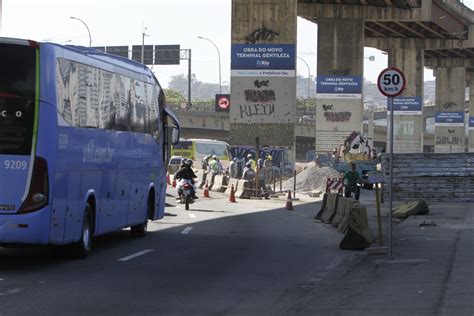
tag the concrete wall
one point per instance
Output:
(340, 53)
(450, 95)
(408, 131)
(263, 102)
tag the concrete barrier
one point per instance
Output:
(216, 182)
(331, 207)
(358, 235)
(411, 208)
(203, 179)
(348, 206)
(233, 182)
(244, 191)
(323, 207)
(220, 183)
(343, 205)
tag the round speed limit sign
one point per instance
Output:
(391, 82)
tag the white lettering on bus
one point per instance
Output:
(93, 153)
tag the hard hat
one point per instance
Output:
(269, 157)
(214, 157)
(249, 156)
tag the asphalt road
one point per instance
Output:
(219, 258)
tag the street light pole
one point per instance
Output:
(143, 45)
(309, 75)
(88, 31)
(218, 54)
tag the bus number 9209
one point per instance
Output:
(15, 164)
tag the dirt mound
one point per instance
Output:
(312, 178)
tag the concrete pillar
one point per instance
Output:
(408, 116)
(263, 73)
(450, 106)
(340, 60)
(470, 79)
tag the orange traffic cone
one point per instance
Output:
(289, 202)
(174, 183)
(206, 191)
(232, 195)
(168, 182)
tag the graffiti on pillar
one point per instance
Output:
(258, 109)
(449, 105)
(261, 83)
(260, 95)
(261, 34)
(338, 116)
(340, 72)
(449, 140)
(328, 107)
(451, 131)
(332, 116)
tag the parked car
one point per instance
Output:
(174, 164)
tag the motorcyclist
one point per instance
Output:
(185, 174)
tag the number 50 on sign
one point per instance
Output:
(391, 82)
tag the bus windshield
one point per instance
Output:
(17, 93)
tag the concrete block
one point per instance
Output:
(217, 183)
(343, 205)
(331, 207)
(348, 205)
(220, 185)
(244, 190)
(410, 208)
(358, 235)
(233, 182)
(323, 206)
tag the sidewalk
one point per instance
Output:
(431, 271)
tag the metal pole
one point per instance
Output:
(219, 55)
(88, 31)
(143, 47)
(379, 217)
(257, 149)
(274, 180)
(390, 204)
(294, 184)
(189, 77)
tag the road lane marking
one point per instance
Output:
(192, 215)
(141, 253)
(186, 230)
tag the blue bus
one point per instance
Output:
(84, 141)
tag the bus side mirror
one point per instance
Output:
(175, 136)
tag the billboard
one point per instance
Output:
(339, 87)
(406, 106)
(167, 54)
(147, 54)
(117, 50)
(449, 119)
(263, 56)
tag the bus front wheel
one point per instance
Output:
(82, 248)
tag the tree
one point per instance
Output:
(200, 91)
(173, 96)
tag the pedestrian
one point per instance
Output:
(261, 180)
(252, 162)
(233, 168)
(248, 173)
(268, 168)
(351, 180)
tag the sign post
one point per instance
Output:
(391, 83)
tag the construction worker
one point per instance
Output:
(351, 182)
(252, 162)
(268, 168)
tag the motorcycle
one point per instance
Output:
(185, 191)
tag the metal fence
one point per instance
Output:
(431, 177)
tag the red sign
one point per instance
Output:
(222, 102)
(391, 82)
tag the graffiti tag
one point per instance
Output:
(340, 72)
(328, 107)
(263, 34)
(449, 140)
(261, 83)
(257, 110)
(337, 116)
(260, 96)
(449, 105)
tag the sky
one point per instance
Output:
(122, 22)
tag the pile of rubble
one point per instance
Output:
(312, 178)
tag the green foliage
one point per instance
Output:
(174, 96)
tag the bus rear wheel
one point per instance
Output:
(82, 248)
